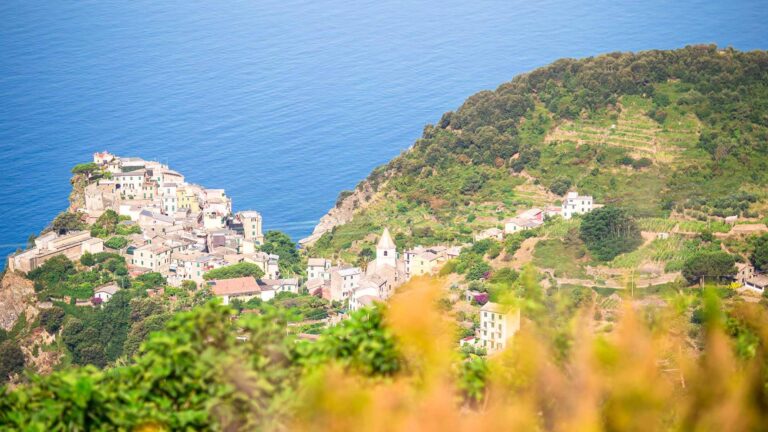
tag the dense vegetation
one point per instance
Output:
(396, 367)
(654, 132)
(608, 232)
(279, 243)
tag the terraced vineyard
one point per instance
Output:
(634, 131)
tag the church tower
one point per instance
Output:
(386, 253)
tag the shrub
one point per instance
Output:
(608, 232)
(116, 242)
(11, 360)
(51, 319)
(242, 269)
(560, 186)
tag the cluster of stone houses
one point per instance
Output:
(533, 218)
(186, 229)
(359, 287)
(353, 285)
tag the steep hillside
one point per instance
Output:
(681, 133)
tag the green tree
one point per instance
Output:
(560, 186)
(11, 360)
(150, 280)
(85, 168)
(608, 232)
(87, 259)
(66, 221)
(242, 269)
(709, 265)
(106, 224)
(478, 270)
(279, 243)
(189, 285)
(759, 256)
(360, 343)
(55, 270)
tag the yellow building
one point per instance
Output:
(420, 261)
(187, 199)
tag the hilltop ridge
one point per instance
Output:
(678, 134)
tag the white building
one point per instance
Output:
(517, 224)
(318, 268)
(105, 292)
(169, 198)
(576, 204)
(129, 184)
(497, 325)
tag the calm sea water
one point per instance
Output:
(283, 103)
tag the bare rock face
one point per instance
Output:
(344, 211)
(43, 362)
(17, 296)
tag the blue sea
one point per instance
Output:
(284, 103)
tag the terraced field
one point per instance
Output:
(634, 131)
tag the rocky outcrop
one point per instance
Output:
(77, 196)
(41, 360)
(17, 297)
(345, 209)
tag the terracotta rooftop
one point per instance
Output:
(243, 285)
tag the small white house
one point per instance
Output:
(105, 292)
(757, 283)
(517, 224)
(490, 233)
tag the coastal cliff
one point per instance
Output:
(348, 204)
(17, 298)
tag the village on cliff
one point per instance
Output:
(183, 230)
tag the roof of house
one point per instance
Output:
(93, 240)
(315, 283)
(139, 172)
(317, 262)
(759, 280)
(154, 248)
(110, 288)
(235, 286)
(576, 196)
(349, 271)
(429, 256)
(249, 214)
(385, 242)
(530, 213)
(367, 300)
(495, 307)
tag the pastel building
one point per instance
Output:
(498, 324)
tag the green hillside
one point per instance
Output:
(680, 134)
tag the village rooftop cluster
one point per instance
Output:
(186, 229)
